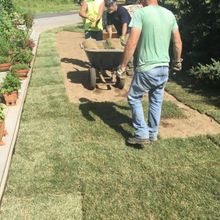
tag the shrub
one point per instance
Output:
(6, 5)
(29, 19)
(6, 47)
(200, 27)
(23, 56)
(11, 83)
(17, 18)
(4, 59)
(7, 29)
(209, 73)
(29, 44)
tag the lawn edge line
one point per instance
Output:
(188, 105)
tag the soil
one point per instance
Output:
(75, 67)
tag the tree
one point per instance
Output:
(200, 27)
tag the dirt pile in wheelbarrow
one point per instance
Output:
(114, 44)
(75, 66)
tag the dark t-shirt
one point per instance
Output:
(118, 18)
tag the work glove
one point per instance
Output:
(92, 19)
(123, 40)
(177, 65)
(93, 24)
(121, 72)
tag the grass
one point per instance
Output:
(47, 6)
(71, 161)
(204, 99)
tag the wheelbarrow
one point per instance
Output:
(101, 61)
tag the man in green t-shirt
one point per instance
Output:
(152, 28)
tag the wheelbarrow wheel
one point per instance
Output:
(120, 83)
(92, 78)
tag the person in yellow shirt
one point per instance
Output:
(92, 11)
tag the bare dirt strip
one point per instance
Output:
(75, 71)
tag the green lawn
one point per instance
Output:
(44, 6)
(71, 160)
(204, 99)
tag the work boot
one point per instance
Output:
(137, 140)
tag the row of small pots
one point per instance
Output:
(12, 97)
(22, 73)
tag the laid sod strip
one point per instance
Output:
(34, 189)
(71, 162)
(204, 100)
(200, 100)
(43, 207)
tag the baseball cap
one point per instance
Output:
(108, 3)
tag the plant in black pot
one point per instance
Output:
(10, 87)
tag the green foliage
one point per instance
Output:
(23, 56)
(200, 26)
(29, 19)
(5, 46)
(207, 73)
(2, 111)
(3, 59)
(20, 66)
(6, 5)
(7, 28)
(17, 18)
(10, 84)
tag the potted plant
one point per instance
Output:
(10, 88)
(21, 70)
(30, 44)
(5, 63)
(23, 56)
(3, 132)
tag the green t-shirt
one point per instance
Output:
(156, 24)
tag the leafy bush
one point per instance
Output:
(29, 44)
(7, 28)
(20, 66)
(11, 83)
(209, 73)
(4, 59)
(23, 56)
(6, 47)
(6, 5)
(17, 18)
(200, 27)
(29, 19)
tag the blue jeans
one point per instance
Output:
(153, 82)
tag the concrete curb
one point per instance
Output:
(12, 122)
